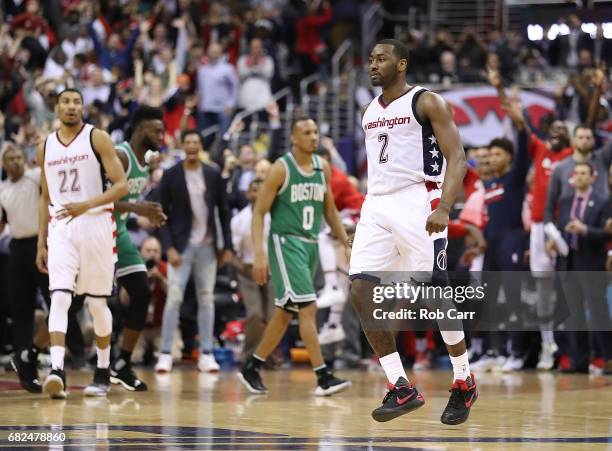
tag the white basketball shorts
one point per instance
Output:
(540, 263)
(391, 233)
(82, 254)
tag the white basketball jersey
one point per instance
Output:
(401, 148)
(72, 170)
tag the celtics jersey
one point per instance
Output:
(298, 207)
(137, 177)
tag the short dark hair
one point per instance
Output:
(584, 127)
(192, 131)
(587, 164)
(503, 143)
(146, 113)
(69, 90)
(300, 118)
(399, 48)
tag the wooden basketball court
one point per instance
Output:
(186, 410)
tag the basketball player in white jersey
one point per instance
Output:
(413, 147)
(76, 240)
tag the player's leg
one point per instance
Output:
(63, 264)
(103, 327)
(137, 287)
(332, 331)
(177, 282)
(205, 276)
(331, 294)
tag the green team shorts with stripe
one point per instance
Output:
(293, 263)
(129, 260)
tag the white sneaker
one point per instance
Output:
(208, 364)
(164, 363)
(547, 356)
(486, 363)
(513, 364)
(331, 333)
(330, 296)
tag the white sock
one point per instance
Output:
(547, 336)
(392, 364)
(461, 367)
(57, 357)
(331, 279)
(103, 357)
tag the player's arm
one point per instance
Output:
(263, 204)
(43, 213)
(435, 109)
(104, 147)
(329, 208)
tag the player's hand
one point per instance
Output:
(174, 258)
(260, 269)
(73, 210)
(41, 260)
(224, 257)
(153, 212)
(437, 221)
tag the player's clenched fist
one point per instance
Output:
(41, 260)
(260, 269)
(437, 221)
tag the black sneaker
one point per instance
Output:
(122, 373)
(55, 384)
(27, 372)
(249, 376)
(100, 385)
(329, 384)
(400, 399)
(463, 396)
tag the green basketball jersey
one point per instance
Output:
(298, 207)
(137, 178)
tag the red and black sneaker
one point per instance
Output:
(463, 396)
(401, 398)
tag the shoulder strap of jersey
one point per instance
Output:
(415, 97)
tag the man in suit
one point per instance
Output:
(582, 218)
(192, 195)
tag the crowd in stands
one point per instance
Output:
(202, 62)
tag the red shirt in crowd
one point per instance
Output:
(544, 161)
(346, 196)
(471, 182)
(308, 33)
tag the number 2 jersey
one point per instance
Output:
(73, 171)
(298, 207)
(401, 147)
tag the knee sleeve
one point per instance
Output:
(137, 287)
(58, 313)
(101, 315)
(452, 337)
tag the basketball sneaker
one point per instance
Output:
(208, 364)
(100, 385)
(328, 384)
(463, 396)
(27, 371)
(331, 333)
(330, 296)
(121, 373)
(164, 363)
(250, 377)
(401, 398)
(55, 384)
(547, 356)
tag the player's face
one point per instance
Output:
(557, 135)
(584, 140)
(305, 136)
(69, 108)
(384, 65)
(582, 177)
(14, 163)
(192, 147)
(153, 134)
(499, 159)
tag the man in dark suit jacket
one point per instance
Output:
(582, 219)
(193, 196)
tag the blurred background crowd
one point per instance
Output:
(238, 71)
